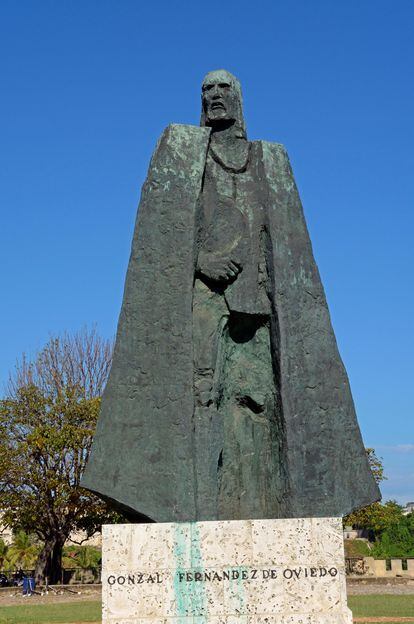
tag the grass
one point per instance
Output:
(75, 612)
(51, 613)
(382, 605)
(356, 548)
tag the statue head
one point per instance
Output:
(222, 101)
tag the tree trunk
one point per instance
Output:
(56, 562)
(43, 561)
(49, 561)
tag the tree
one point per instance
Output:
(85, 557)
(373, 516)
(47, 421)
(375, 463)
(3, 555)
(384, 522)
(23, 552)
(396, 540)
(376, 518)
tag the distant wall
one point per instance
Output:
(382, 568)
(80, 537)
(389, 567)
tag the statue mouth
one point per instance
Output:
(217, 106)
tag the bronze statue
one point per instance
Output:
(227, 397)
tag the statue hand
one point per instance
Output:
(218, 267)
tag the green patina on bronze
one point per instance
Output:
(227, 397)
(190, 596)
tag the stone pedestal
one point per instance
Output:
(248, 572)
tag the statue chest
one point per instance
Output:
(233, 223)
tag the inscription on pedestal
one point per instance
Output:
(256, 572)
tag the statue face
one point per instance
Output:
(220, 100)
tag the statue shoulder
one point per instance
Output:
(274, 156)
(276, 164)
(186, 132)
(181, 143)
(277, 149)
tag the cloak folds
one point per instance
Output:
(142, 457)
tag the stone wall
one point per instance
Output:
(378, 567)
(368, 566)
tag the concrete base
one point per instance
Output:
(248, 572)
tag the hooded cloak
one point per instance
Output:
(142, 457)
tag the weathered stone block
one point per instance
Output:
(287, 571)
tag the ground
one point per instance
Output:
(365, 588)
(356, 548)
(63, 608)
(377, 604)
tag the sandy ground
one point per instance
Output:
(16, 598)
(358, 589)
(13, 597)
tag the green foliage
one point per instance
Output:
(376, 518)
(4, 551)
(375, 463)
(42, 457)
(386, 525)
(23, 552)
(391, 531)
(47, 421)
(85, 557)
(362, 518)
(356, 548)
(397, 540)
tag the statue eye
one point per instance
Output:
(224, 85)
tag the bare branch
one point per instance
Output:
(81, 360)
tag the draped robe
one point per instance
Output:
(143, 456)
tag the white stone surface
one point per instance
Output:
(234, 572)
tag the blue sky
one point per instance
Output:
(88, 86)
